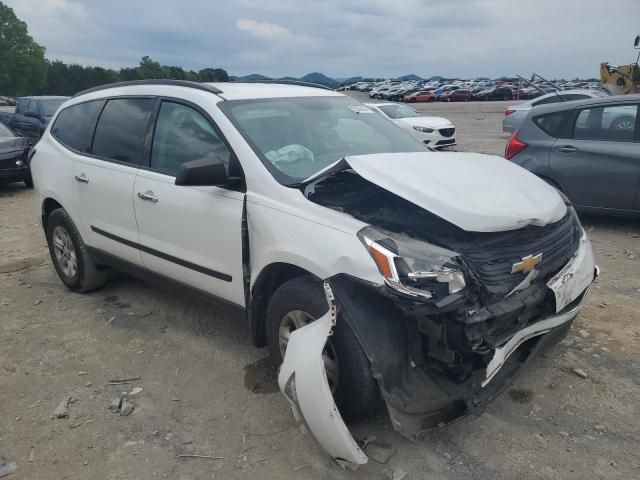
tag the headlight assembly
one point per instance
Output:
(413, 267)
(423, 129)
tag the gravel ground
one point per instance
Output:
(208, 391)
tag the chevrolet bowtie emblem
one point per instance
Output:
(527, 264)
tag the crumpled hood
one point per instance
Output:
(476, 192)
(13, 147)
(431, 122)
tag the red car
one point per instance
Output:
(456, 96)
(7, 102)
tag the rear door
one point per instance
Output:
(104, 179)
(189, 234)
(598, 161)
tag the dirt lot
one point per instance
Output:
(208, 391)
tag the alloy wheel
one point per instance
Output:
(65, 252)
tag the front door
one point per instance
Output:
(599, 164)
(189, 234)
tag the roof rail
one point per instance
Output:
(159, 81)
(300, 83)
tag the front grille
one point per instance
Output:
(445, 142)
(491, 255)
(447, 132)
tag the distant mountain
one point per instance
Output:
(320, 78)
(435, 77)
(254, 77)
(411, 76)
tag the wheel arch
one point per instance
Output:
(266, 283)
(49, 204)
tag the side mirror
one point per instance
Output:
(636, 44)
(203, 172)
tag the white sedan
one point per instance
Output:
(437, 132)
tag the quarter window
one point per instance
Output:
(121, 130)
(552, 123)
(182, 135)
(75, 124)
(615, 123)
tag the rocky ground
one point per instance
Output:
(207, 391)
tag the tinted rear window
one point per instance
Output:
(74, 125)
(121, 129)
(552, 123)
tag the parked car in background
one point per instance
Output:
(32, 115)
(588, 149)
(515, 114)
(495, 93)
(7, 102)
(14, 158)
(437, 132)
(458, 95)
(421, 96)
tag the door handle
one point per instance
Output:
(566, 149)
(82, 178)
(148, 195)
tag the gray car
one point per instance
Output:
(588, 149)
(515, 114)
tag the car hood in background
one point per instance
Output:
(12, 147)
(431, 122)
(476, 192)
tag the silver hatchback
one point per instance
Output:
(589, 149)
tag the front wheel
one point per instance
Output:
(70, 255)
(297, 303)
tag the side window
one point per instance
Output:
(75, 124)
(615, 123)
(121, 130)
(552, 123)
(182, 134)
(544, 101)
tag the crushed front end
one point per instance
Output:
(461, 312)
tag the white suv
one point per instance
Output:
(382, 270)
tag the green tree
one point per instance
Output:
(23, 69)
(213, 75)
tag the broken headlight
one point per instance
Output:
(413, 267)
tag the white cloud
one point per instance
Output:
(266, 30)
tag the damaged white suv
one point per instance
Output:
(374, 267)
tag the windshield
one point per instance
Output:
(297, 137)
(398, 111)
(49, 107)
(5, 132)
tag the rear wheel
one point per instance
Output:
(70, 255)
(623, 123)
(297, 303)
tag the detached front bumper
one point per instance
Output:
(423, 387)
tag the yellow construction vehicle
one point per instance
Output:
(621, 79)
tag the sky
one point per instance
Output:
(342, 38)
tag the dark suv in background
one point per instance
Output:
(33, 114)
(588, 149)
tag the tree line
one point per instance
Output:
(24, 70)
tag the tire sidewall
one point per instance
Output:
(60, 218)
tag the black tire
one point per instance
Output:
(28, 181)
(356, 393)
(87, 276)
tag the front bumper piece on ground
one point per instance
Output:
(303, 381)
